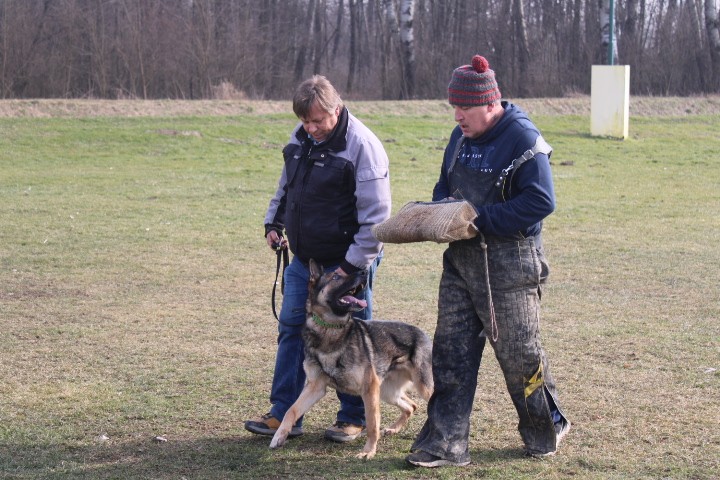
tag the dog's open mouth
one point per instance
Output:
(350, 301)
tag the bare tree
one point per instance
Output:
(24, 27)
(302, 43)
(712, 25)
(523, 49)
(407, 44)
(186, 48)
(353, 56)
(318, 36)
(267, 46)
(338, 29)
(389, 34)
(713, 34)
(630, 48)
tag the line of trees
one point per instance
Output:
(371, 49)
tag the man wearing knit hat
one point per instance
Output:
(491, 284)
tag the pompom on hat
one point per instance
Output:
(473, 85)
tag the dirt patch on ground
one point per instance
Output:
(577, 105)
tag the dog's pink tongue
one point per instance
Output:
(356, 301)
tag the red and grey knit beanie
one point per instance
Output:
(473, 85)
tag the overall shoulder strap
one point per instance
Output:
(541, 146)
(456, 152)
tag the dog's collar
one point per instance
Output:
(323, 323)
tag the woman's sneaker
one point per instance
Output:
(268, 425)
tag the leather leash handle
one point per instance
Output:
(282, 258)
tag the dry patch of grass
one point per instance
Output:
(575, 105)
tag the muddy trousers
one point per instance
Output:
(464, 320)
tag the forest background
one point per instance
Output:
(370, 49)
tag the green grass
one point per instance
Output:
(135, 301)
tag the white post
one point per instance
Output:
(610, 101)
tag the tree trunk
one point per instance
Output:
(712, 26)
(302, 44)
(630, 45)
(503, 51)
(352, 64)
(523, 57)
(319, 42)
(407, 47)
(390, 33)
(338, 30)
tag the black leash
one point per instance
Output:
(282, 258)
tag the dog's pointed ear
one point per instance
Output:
(316, 270)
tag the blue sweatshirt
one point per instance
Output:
(529, 195)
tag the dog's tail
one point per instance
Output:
(424, 384)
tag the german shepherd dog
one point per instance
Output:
(375, 360)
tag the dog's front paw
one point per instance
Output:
(368, 452)
(390, 431)
(278, 439)
(365, 455)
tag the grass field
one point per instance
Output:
(136, 333)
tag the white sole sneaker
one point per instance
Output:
(427, 460)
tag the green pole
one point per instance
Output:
(611, 43)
